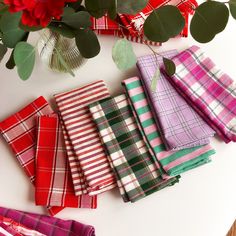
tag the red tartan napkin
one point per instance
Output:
(54, 186)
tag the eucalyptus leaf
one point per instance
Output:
(3, 50)
(24, 57)
(62, 29)
(67, 11)
(9, 26)
(3, 8)
(170, 67)
(78, 20)
(123, 54)
(75, 5)
(87, 43)
(98, 8)
(210, 18)
(131, 7)
(11, 63)
(155, 78)
(232, 7)
(29, 28)
(164, 23)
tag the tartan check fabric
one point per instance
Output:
(172, 162)
(180, 125)
(47, 225)
(19, 130)
(54, 186)
(91, 172)
(137, 171)
(210, 91)
(16, 229)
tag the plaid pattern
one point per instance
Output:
(54, 186)
(180, 126)
(47, 225)
(106, 26)
(91, 172)
(131, 27)
(136, 169)
(172, 162)
(19, 130)
(210, 91)
(16, 229)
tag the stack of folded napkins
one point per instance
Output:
(140, 141)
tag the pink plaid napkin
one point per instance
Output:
(210, 91)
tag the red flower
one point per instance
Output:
(38, 12)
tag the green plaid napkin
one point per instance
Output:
(172, 162)
(136, 169)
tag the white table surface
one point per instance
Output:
(202, 204)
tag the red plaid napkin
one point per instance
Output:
(19, 130)
(54, 186)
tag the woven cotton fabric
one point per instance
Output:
(48, 225)
(172, 162)
(136, 169)
(208, 89)
(19, 130)
(180, 125)
(91, 172)
(54, 186)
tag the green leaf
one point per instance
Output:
(11, 63)
(75, 5)
(3, 8)
(169, 66)
(62, 29)
(123, 54)
(164, 23)
(98, 8)
(155, 77)
(24, 57)
(210, 18)
(78, 20)
(67, 11)
(3, 50)
(112, 10)
(87, 43)
(9, 25)
(131, 7)
(232, 7)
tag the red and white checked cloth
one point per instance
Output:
(54, 186)
(131, 27)
(211, 92)
(19, 130)
(91, 172)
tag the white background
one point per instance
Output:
(202, 204)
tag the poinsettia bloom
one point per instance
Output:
(38, 12)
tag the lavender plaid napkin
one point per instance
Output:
(181, 127)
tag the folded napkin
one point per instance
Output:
(172, 162)
(211, 92)
(180, 126)
(19, 130)
(54, 186)
(137, 170)
(13, 228)
(134, 23)
(106, 26)
(91, 172)
(48, 225)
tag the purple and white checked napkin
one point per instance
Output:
(181, 127)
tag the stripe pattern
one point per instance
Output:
(91, 172)
(54, 186)
(172, 162)
(19, 130)
(47, 225)
(136, 169)
(180, 126)
(211, 92)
